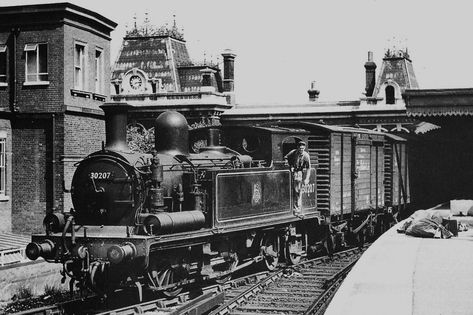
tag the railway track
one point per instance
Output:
(305, 288)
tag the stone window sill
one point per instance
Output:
(33, 83)
(4, 198)
(99, 97)
(79, 93)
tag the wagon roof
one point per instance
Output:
(273, 129)
(332, 128)
(394, 137)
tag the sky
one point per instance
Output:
(282, 46)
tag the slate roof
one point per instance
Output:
(397, 66)
(157, 56)
(162, 54)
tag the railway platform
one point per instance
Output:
(17, 271)
(401, 274)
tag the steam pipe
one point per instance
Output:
(53, 160)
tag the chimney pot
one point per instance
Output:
(313, 92)
(370, 56)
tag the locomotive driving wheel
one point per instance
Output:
(164, 278)
(294, 248)
(270, 249)
(230, 263)
(167, 277)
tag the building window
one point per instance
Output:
(3, 168)
(36, 62)
(3, 64)
(390, 99)
(79, 67)
(99, 71)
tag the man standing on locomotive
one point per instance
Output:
(299, 161)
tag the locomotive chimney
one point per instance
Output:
(213, 137)
(172, 134)
(116, 116)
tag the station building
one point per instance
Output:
(381, 108)
(54, 75)
(154, 73)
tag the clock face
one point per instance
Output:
(135, 82)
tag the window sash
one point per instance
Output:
(3, 176)
(31, 47)
(99, 71)
(36, 63)
(79, 67)
(3, 66)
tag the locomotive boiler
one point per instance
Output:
(171, 218)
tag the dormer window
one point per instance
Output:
(390, 95)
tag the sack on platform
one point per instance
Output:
(427, 227)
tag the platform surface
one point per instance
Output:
(401, 274)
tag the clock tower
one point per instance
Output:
(154, 73)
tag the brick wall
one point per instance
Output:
(31, 134)
(92, 43)
(41, 98)
(32, 180)
(82, 136)
(4, 90)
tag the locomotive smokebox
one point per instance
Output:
(172, 134)
(116, 118)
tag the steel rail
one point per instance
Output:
(331, 285)
(257, 288)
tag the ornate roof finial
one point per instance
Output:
(146, 23)
(147, 29)
(397, 48)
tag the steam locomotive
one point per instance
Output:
(171, 218)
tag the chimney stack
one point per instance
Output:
(313, 93)
(229, 75)
(370, 67)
